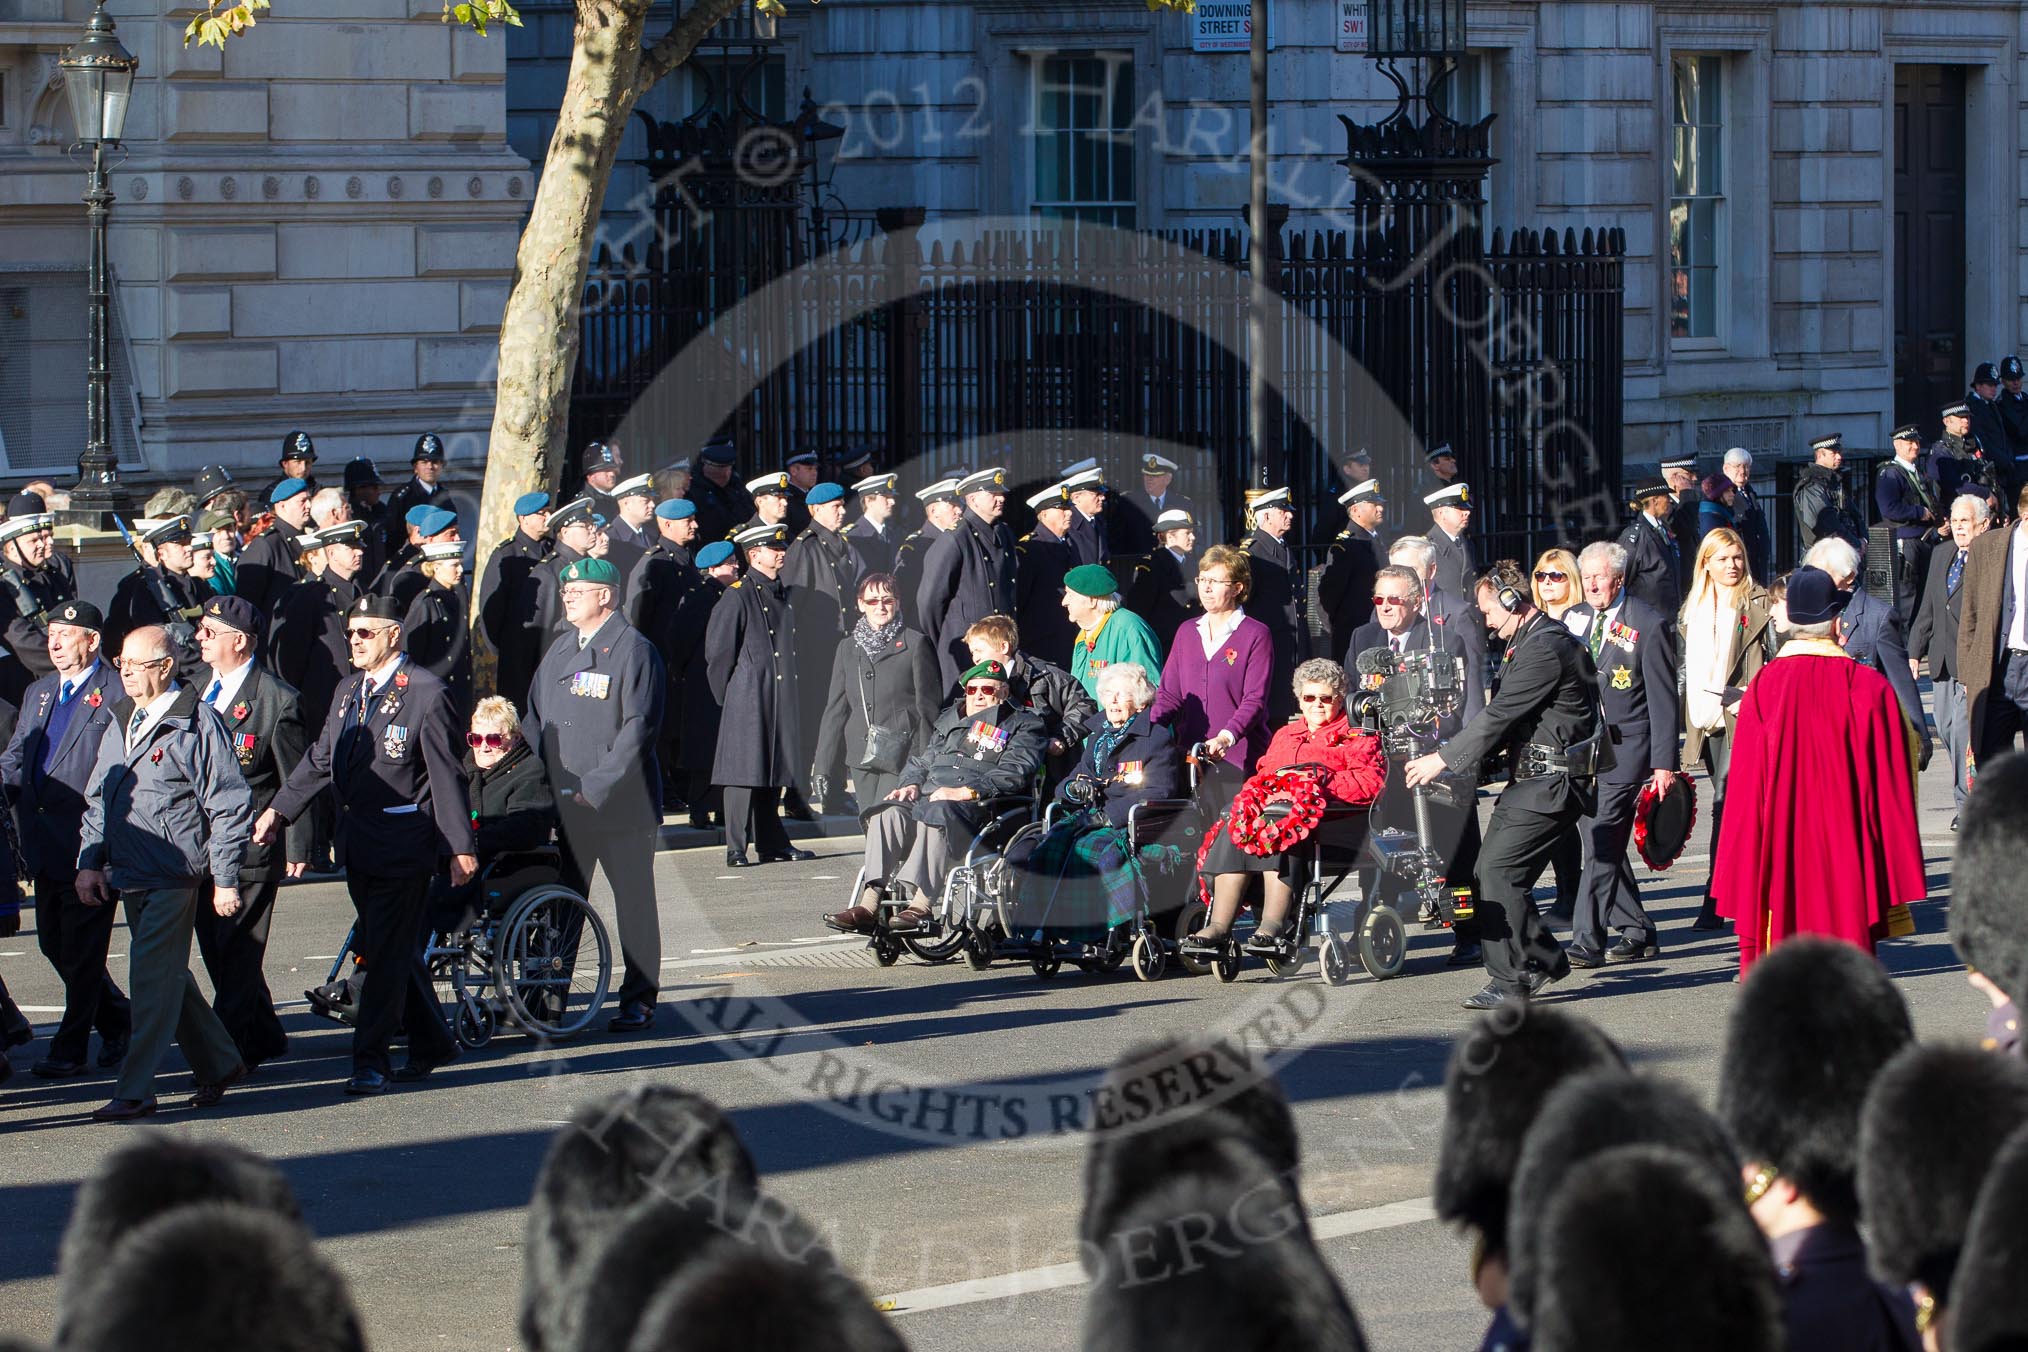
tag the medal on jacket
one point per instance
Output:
(988, 738)
(390, 702)
(395, 743)
(243, 747)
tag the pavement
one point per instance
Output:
(926, 1119)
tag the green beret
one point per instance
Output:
(596, 571)
(995, 671)
(1092, 579)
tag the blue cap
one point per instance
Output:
(824, 493)
(436, 519)
(713, 554)
(676, 509)
(528, 504)
(414, 516)
(720, 451)
(286, 489)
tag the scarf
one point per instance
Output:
(1710, 633)
(1103, 743)
(873, 642)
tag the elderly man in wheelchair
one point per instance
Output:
(984, 754)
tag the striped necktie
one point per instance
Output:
(1956, 575)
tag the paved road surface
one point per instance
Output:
(941, 1180)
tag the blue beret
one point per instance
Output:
(286, 489)
(676, 509)
(824, 493)
(414, 516)
(713, 554)
(436, 519)
(235, 612)
(721, 451)
(530, 503)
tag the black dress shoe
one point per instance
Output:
(737, 860)
(49, 1068)
(125, 1110)
(1465, 955)
(791, 855)
(1633, 950)
(415, 1068)
(632, 1018)
(366, 1082)
(700, 822)
(210, 1095)
(20, 1035)
(797, 809)
(1488, 997)
(1559, 916)
(1538, 982)
(1584, 957)
(112, 1051)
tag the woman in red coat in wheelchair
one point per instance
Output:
(1322, 763)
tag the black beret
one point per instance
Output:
(1499, 1074)
(234, 612)
(1989, 1301)
(1933, 1122)
(1989, 887)
(1815, 1022)
(1581, 1119)
(83, 614)
(1690, 1269)
(374, 606)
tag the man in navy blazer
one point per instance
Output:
(1873, 632)
(45, 769)
(1633, 646)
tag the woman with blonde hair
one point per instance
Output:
(1557, 590)
(1726, 641)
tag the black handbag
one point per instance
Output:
(886, 749)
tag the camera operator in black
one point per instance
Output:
(1545, 713)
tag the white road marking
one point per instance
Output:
(842, 946)
(1059, 1275)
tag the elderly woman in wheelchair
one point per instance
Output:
(1307, 801)
(513, 812)
(981, 763)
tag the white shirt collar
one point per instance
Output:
(382, 674)
(151, 714)
(232, 682)
(78, 682)
(1214, 633)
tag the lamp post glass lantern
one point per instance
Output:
(1412, 28)
(98, 78)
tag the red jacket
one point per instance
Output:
(1358, 765)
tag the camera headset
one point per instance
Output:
(1504, 578)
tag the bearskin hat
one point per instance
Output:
(1815, 1022)
(1989, 887)
(1989, 1301)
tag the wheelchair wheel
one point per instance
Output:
(1226, 965)
(1188, 920)
(1045, 965)
(886, 950)
(475, 1024)
(1149, 957)
(1383, 941)
(551, 986)
(1337, 967)
(978, 950)
(1289, 966)
(935, 951)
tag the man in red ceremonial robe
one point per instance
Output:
(1819, 834)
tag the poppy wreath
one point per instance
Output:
(1644, 807)
(1248, 826)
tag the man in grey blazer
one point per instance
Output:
(167, 812)
(1935, 635)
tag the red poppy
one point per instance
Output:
(401, 680)
(156, 759)
(239, 710)
(93, 699)
(1231, 656)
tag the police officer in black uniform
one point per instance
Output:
(423, 489)
(941, 508)
(1277, 584)
(393, 751)
(1545, 714)
(1819, 496)
(1680, 474)
(163, 593)
(722, 503)
(1654, 574)
(299, 453)
(1958, 463)
(877, 532)
(1907, 499)
(1345, 590)
(749, 654)
(969, 573)
(507, 597)
(34, 580)
(2014, 414)
(601, 468)
(1989, 424)
(1044, 556)
(598, 700)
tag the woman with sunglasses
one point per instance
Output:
(512, 805)
(1354, 770)
(883, 675)
(1557, 590)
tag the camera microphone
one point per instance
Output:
(1376, 662)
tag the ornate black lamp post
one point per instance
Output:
(98, 75)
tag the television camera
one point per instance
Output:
(1409, 698)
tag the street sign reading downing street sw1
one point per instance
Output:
(1225, 26)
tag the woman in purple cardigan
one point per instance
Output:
(1215, 684)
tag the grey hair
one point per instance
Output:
(1981, 509)
(1739, 455)
(1822, 629)
(1835, 556)
(1611, 552)
(498, 712)
(1132, 675)
(1106, 604)
(1413, 550)
(1321, 671)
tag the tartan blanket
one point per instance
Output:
(1083, 878)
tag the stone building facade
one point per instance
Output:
(1823, 203)
(314, 229)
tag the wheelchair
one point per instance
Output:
(1377, 934)
(528, 951)
(947, 932)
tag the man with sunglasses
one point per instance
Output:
(983, 746)
(391, 749)
(264, 724)
(597, 700)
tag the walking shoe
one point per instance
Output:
(1583, 957)
(634, 1016)
(737, 860)
(908, 920)
(366, 1082)
(1465, 955)
(209, 1095)
(18, 1035)
(49, 1068)
(125, 1110)
(1538, 982)
(112, 1050)
(851, 920)
(416, 1068)
(792, 855)
(1487, 997)
(1633, 950)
